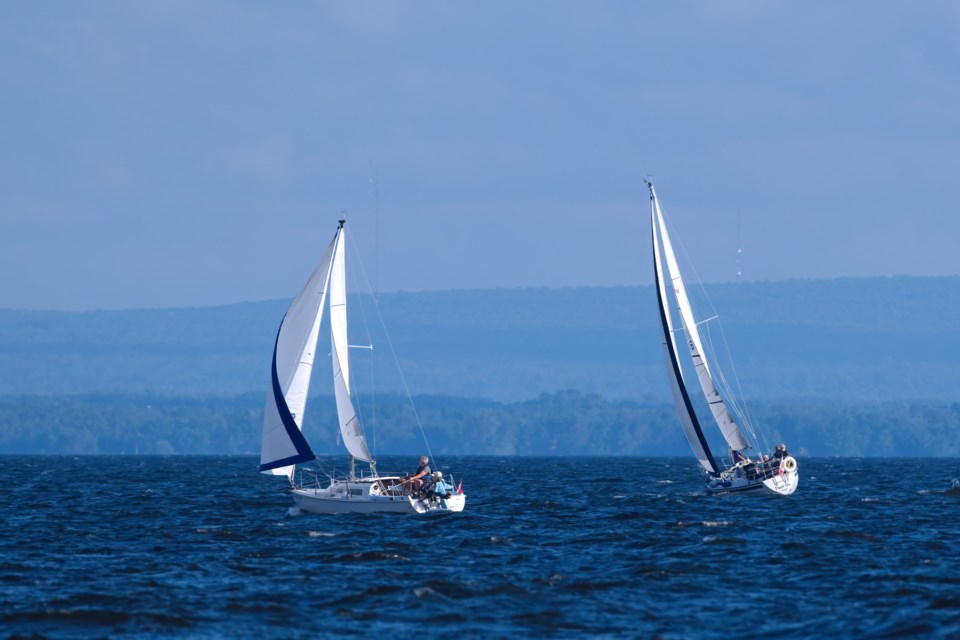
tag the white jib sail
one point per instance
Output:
(690, 428)
(292, 366)
(350, 429)
(731, 432)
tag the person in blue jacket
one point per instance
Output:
(439, 488)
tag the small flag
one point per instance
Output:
(460, 488)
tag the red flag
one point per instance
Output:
(460, 488)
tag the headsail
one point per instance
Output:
(688, 418)
(283, 444)
(350, 429)
(731, 432)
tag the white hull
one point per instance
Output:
(734, 480)
(372, 495)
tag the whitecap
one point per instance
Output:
(319, 534)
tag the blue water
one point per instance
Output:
(612, 547)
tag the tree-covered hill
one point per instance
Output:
(855, 339)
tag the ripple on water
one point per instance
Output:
(609, 555)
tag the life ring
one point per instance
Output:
(789, 464)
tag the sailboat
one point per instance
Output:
(777, 474)
(284, 446)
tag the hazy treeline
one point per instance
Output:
(857, 366)
(562, 423)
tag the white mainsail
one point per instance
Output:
(350, 429)
(283, 445)
(688, 418)
(731, 432)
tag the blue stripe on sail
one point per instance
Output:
(286, 462)
(304, 453)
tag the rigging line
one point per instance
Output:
(723, 384)
(717, 369)
(396, 360)
(726, 346)
(738, 400)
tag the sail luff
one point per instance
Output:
(283, 444)
(351, 431)
(721, 414)
(688, 418)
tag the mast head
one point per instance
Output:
(342, 222)
(649, 184)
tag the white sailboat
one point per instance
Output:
(779, 474)
(284, 446)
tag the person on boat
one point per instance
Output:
(417, 478)
(780, 452)
(438, 488)
(738, 457)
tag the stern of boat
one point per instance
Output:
(786, 482)
(436, 506)
(757, 478)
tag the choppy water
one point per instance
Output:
(610, 547)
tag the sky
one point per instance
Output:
(181, 153)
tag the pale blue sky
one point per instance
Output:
(158, 154)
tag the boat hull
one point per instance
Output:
(369, 496)
(782, 481)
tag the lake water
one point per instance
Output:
(206, 547)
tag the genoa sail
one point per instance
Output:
(283, 444)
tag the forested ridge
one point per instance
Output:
(853, 366)
(850, 340)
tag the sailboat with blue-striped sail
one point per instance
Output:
(778, 473)
(284, 447)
